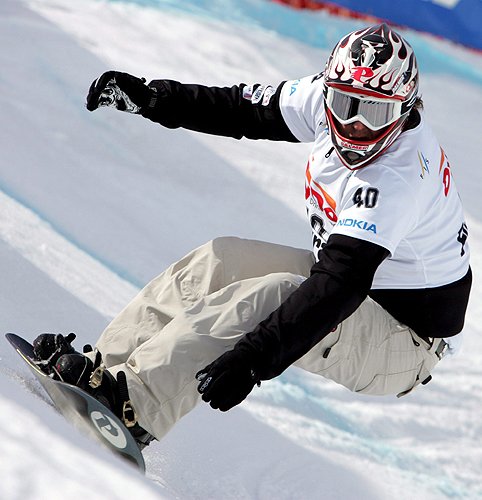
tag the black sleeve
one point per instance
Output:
(238, 111)
(338, 284)
(429, 312)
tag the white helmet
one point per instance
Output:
(371, 77)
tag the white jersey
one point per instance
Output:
(405, 200)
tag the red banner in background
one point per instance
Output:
(331, 8)
(456, 20)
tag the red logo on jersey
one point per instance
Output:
(447, 173)
(325, 202)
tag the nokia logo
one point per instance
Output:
(358, 224)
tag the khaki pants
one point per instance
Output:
(203, 304)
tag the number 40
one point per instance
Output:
(369, 200)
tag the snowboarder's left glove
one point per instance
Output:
(228, 380)
(120, 91)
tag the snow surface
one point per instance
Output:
(93, 205)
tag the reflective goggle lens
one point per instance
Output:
(374, 114)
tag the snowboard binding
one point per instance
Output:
(48, 348)
(56, 357)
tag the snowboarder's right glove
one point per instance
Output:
(120, 91)
(228, 380)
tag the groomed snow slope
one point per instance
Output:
(93, 205)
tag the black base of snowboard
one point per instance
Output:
(81, 410)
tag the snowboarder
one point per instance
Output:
(376, 305)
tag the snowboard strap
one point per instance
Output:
(96, 377)
(129, 415)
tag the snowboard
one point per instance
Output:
(81, 410)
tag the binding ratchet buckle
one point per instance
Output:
(95, 379)
(129, 415)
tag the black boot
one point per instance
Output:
(77, 369)
(55, 356)
(47, 349)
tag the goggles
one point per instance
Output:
(373, 112)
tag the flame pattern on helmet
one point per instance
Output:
(375, 59)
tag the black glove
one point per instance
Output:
(120, 91)
(228, 380)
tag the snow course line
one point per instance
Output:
(73, 269)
